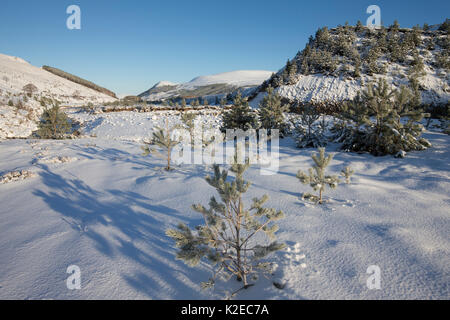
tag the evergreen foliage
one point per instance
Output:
(240, 116)
(306, 132)
(271, 112)
(162, 138)
(347, 172)
(229, 240)
(317, 177)
(376, 124)
(54, 123)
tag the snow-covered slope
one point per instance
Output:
(19, 113)
(339, 62)
(217, 84)
(15, 73)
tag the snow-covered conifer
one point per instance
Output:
(316, 176)
(229, 240)
(54, 123)
(162, 138)
(271, 112)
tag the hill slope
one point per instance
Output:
(79, 80)
(19, 111)
(338, 62)
(15, 73)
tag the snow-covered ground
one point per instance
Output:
(98, 203)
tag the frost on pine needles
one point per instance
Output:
(228, 240)
(316, 176)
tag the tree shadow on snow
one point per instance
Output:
(135, 232)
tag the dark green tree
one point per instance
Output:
(54, 123)
(271, 112)
(240, 116)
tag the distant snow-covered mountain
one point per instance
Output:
(210, 85)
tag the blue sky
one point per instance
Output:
(127, 46)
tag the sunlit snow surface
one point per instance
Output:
(106, 209)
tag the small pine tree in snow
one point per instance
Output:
(163, 139)
(54, 123)
(271, 112)
(240, 116)
(188, 121)
(347, 172)
(229, 238)
(183, 103)
(316, 176)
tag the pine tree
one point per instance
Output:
(229, 240)
(317, 178)
(416, 66)
(305, 132)
(347, 172)
(54, 123)
(183, 103)
(271, 112)
(163, 139)
(376, 116)
(359, 26)
(240, 116)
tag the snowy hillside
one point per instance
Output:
(337, 63)
(217, 84)
(15, 73)
(19, 111)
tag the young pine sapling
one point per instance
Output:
(316, 176)
(347, 172)
(163, 139)
(228, 239)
